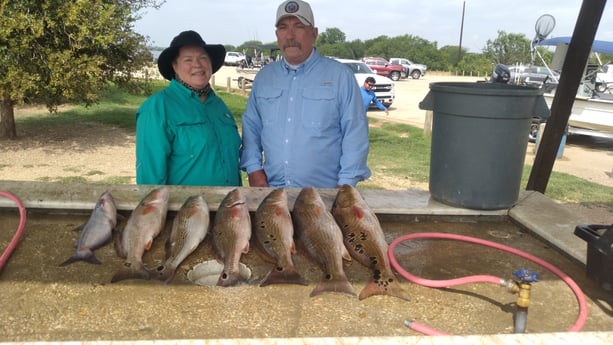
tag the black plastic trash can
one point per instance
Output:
(479, 141)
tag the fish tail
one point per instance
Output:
(87, 256)
(338, 284)
(280, 275)
(384, 285)
(131, 273)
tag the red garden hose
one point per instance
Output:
(581, 318)
(20, 228)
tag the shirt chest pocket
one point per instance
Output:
(191, 137)
(269, 103)
(319, 109)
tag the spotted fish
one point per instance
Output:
(189, 228)
(364, 238)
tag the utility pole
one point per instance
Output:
(461, 32)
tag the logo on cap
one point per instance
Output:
(292, 7)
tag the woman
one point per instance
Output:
(185, 134)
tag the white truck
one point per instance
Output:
(415, 70)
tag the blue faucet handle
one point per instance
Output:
(526, 276)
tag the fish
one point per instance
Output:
(274, 233)
(231, 235)
(189, 229)
(96, 232)
(322, 240)
(143, 226)
(365, 240)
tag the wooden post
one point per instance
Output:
(428, 123)
(561, 107)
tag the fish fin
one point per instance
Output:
(278, 275)
(384, 285)
(118, 244)
(246, 249)
(346, 255)
(131, 273)
(79, 228)
(292, 248)
(339, 284)
(87, 256)
(264, 254)
(148, 244)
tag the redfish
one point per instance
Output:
(144, 224)
(365, 240)
(189, 228)
(319, 235)
(231, 234)
(274, 234)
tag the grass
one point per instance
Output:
(397, 150)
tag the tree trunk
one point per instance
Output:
(7, 120)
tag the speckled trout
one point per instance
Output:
(318, 234)
(364, 238)
(231, 234)
(143, 225)
(274, 234)
(189, 228)
(96, 232)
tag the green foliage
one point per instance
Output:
(476, 63)
(508, 49)
(55, 52)
(331, 36)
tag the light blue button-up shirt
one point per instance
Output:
(306, 126)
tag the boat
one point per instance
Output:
(592, 111)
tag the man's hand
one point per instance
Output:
(258, 179)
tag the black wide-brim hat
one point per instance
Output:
(217, 52)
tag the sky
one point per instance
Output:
(234, 22)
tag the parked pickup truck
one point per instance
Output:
(383, 67)
(415, 70)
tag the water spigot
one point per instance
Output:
(526, 276)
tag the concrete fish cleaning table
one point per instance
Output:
(44, 302)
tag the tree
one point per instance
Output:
(331, 36)
(508, 49)
(53, 52)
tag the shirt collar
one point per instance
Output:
(308, 62)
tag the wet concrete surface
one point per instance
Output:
(44, 302)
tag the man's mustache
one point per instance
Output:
(292, 43)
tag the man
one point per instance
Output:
(368, 95)
(305, 123)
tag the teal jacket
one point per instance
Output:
(182, 141)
